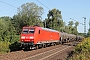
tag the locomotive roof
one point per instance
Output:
(42, 28)
(49, 29)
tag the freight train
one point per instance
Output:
(36, 36)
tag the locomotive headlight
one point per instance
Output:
(22, 40)
(31, 37)
(23, 37)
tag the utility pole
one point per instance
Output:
(84, 26)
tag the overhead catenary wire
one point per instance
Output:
(77, 21)
(43, 4)
(54, 7)
(50, 3)
(8, 4)
(66, 15)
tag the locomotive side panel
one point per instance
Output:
(48, 36)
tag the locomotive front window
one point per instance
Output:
(25, 31)
(32, 30)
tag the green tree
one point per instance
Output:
(7, 29)
(76, 24)
(29, 14)
(71, 23)
(54, 20)
(7, 34)
(3, 28)
(72, 29)
(67, 29)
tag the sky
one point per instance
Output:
(75, 9)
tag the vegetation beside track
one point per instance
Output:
(82, 50)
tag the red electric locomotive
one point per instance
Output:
(38, 37)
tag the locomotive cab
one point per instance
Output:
(27, 36)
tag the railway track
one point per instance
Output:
(48, 53)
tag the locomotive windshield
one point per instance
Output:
(25, 31)
(31, 30)
(28, 30)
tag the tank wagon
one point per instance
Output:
(79, 38)
(35, 36)
(65, 37)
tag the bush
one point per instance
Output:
(82, 50)
(15, 38)
(14, 46)
(83, 46)
(4, 47)
(7, 46)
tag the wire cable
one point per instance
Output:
(50, 3)
(43, 4)
(8, 4)
(77, 21)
